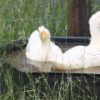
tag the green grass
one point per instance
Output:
(39, 87)
(18, 18)
(95, 5)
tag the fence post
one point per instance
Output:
(78, 16)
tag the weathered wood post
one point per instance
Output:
(78, 16)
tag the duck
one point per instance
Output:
(82, 57)
(41, 51)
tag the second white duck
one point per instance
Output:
(85, 56)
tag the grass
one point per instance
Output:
(17, 85)
(18, 18)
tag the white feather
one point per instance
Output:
(42, 54)
(85, 56)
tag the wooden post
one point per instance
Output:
(78, 16)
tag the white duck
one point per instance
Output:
(85, 56)
(41, 52)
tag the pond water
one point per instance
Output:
(83, 83)
(18, 60)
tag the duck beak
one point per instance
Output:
(43, 35)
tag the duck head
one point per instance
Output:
(44, 34)
(94, 23)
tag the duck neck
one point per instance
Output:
(95, 38)
(46, 43)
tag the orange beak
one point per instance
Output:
(43, 35)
